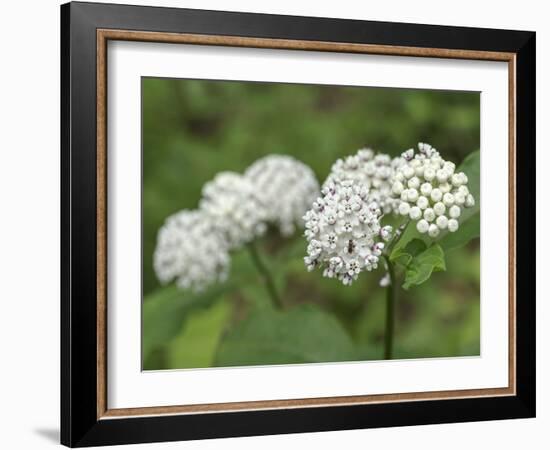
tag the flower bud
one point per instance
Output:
(442, 222)
(452, 225)
(433, 231)
(454, 212)
(422, 226)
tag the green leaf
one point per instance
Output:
(420, 267)
(404, 255)
(196, 345)
(165, 311)
(305, 334)
(467, 231)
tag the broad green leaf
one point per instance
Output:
(422, 265)
(404, 255)
(304, 334)
(467, 231)
(165, 311)
(196, 345)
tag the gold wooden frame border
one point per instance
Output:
(104, 35)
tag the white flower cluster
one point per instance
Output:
(430, 191)
(286, 187)
(236, 208)
(192, 246)
(342, 230)
(191, 251)
(375, 171)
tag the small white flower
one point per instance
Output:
(433, 230)
(190, 250)
(385, 281)
(432, 188)
(415, 213)
(454, 212)
(342, 234)
(286, 187)
(386, 232)
(422, 226)
(236, 208)
(376, 173)
(442, 222)
(452, 225)
(429, 214)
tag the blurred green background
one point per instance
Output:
(193, 129)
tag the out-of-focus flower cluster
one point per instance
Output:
(193, 246)
(191, 250)
(430, 192)
(374, 171)
(343, 231)
(286, 187)
(235, 206)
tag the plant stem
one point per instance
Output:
(391, 294)
(265, 274)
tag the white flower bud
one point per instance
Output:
(444, 188)
(454, 212)
(408, 172)
(456, 180)
(426, 189)
(412, 195)
(448, 199)
(397, 188)
(429, 174)
(386, 232)
(452, 225)
(470, 201)
(404, 208)
(414, 183)
(436, 195)
(442, 175)
(463, 190)
(422, 226)
(439, 209)
(433, 230)
(385, 281)
(460, 198)
(429, 215)
(422, 202)
(415, 213)
(442, 222)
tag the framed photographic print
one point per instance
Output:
(276, 224)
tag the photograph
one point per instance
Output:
(299, 223)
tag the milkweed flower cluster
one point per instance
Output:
(191, 250)
(286, 187)
(193, 246)
(343, 231)
(430, 192)
(236, 207)
(374, 171)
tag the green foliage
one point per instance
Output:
(196, 345)
(164, 312)
(304, 334)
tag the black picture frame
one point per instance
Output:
(80, 425)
